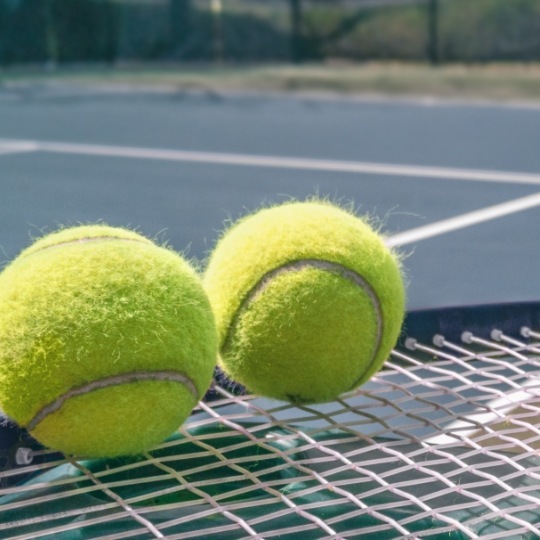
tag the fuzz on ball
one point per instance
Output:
(107, 341)
(308, 301)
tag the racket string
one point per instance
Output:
(121, 502)
(245, 432)
(348, 465)
(395, 489)
(443, 443)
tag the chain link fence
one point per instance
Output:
(73, 31)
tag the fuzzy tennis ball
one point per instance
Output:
(308, 301)
(107, 341)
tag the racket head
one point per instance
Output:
(442, 443)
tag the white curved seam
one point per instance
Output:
(104, 238)
(327, 266)
(107, 382)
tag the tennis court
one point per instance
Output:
(462, 179)
(455, 186)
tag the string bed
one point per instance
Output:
(442, 444)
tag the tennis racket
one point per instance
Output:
(443, 443)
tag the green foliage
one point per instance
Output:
(57, 30)
(247, 38)
(469, 30)
(84, 30)
(391, 33)
(177, 32)
(260, 30)
(23, 32)
(484, 30)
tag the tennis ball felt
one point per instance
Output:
(107, 341)
(308, 301)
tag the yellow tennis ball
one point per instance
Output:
(308, 301)
(107, 341)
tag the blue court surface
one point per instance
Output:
(455, 187)
(443, 443)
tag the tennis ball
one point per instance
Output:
(107, 341)
(308, 301)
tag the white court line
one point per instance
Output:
(281, 162)
(13, 147)
(400, 239)
(464, 220)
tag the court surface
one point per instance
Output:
(455, 186)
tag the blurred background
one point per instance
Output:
(436, 31)
(173, 116)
